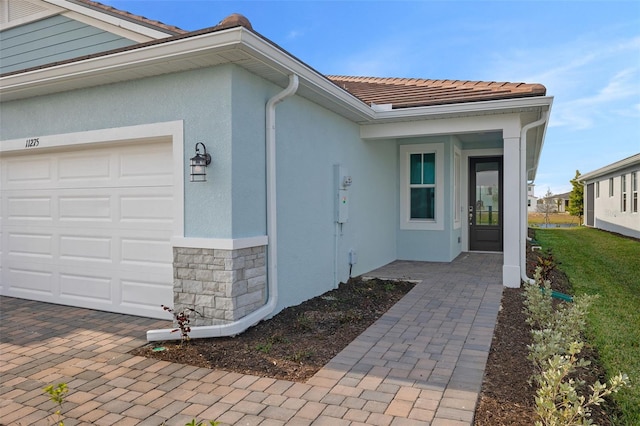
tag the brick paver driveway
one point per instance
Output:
(421, 363)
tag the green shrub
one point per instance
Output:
(556, 343)
(557, 400)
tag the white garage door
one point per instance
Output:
(89, 228)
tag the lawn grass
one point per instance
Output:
(598, 262)
(554, 219)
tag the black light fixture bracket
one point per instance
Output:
(199, 163)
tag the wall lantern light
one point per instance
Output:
(199, 164)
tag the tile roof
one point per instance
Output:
(399, 92)
(173, 30)
(415, 92)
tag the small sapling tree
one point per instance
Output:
(183, 320)
(547, 205)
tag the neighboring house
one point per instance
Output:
(312, 178)
(561, 201)
(611, 197)
(558, 203)
(532, 200)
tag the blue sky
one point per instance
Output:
(587, 54)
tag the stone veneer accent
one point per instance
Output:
(223, 285)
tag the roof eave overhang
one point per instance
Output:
(502, 106)
(503, 114)
(611, 168)
(235, 45)
(535, 142)
(245, 48)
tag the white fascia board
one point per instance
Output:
(441, 125)
(613, 167)
(121, 61)
(458, 118)
(467, 108)
(113, 20)
(281, 61)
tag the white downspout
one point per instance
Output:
(253, 318)
(523, 195)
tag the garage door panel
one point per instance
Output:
(90, 228)
(28, 171)
(145, 208)
(78, 247)
(87, 208)
(29, 208)
(81, 170)
(144, 167)
(147, 293)
(30, 245)
(86, 287)
(30, 280)
(145, 251)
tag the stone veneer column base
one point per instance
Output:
(222, 285)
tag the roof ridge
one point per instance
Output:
(423, 81)
(410, 92)
(130, 16)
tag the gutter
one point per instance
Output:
(523, 194)
(253, 318)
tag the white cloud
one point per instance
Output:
(589, 79)
(616, 97)
(294, 34)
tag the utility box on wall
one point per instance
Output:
(342, 183)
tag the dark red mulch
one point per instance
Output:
(298, 341)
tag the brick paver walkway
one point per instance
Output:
(421, 363)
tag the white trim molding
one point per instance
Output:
(437, 224)
(220, 243)
(170, 130)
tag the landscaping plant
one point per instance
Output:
(556, 343)
(57, 394)
(183, 321)
(600, 262)
(557, 400)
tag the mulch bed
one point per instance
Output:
(298, 341)
(507, 398)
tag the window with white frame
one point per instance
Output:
(634, 192)
(623, 192)
(598, 189)
(610, 187)
(422, 187)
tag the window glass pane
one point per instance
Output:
(429, 168)
(423, 203)
(416, 169)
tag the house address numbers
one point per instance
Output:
(32, 143)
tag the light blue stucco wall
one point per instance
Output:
(51, 40)
(310, 140)
(201, 98)
(224, 107)
(432, 245)
(250, 95)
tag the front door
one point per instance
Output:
(485, 204)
